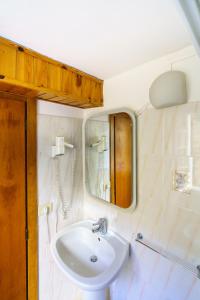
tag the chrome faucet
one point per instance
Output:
(100, 226)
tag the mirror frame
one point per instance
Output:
(132, 114)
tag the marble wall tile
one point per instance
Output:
(67, 170)
(150, 133)
(167, 218)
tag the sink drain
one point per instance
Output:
(93, 258)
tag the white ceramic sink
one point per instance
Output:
(73, 249)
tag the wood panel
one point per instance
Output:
(48, 78)
(31, 190)
(24, 67)
(112, 158)
(40, 72)
(77, 84)
(66, 80)
(32, 199)
(12, 200)
(7, 61)
(121, 159)
(54, 77)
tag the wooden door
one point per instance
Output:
(12, 200)
(121, 159)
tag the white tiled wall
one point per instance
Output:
(167, 218)
(53, 285)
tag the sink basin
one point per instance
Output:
(90, 260)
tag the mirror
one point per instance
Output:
(110, 157)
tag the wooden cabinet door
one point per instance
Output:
(12, 200)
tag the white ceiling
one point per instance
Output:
(101, 37)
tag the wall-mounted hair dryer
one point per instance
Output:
(100, 145)
(59, 148)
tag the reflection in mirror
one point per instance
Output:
(110, 148)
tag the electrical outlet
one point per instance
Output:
(45, 209)
(182, 181)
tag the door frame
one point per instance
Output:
(31, 191)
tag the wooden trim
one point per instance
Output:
(21, 48)
(121, 159)
(32, 223)
(26, 71)
(13, 199)
(32, 199)
(12, 96)
(112, 158)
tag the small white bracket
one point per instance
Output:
(45, 209)
(59, 148)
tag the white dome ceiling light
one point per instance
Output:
(168, 89)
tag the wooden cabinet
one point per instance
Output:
(7, 61)
(40, 68)
(54, 77)
(24, 67)
(30, 72)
